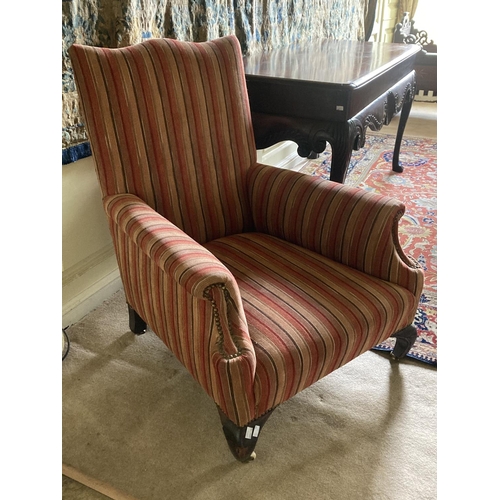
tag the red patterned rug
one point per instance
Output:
(416, 187)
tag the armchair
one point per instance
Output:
(260, 280)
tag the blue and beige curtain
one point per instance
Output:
(258, 24)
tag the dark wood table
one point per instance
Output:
(330, 91)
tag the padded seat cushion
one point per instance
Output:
(307, 315)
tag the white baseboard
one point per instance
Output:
(278, 154)
(89, 282)
(89, 299)
(425, 96)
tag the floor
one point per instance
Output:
(421, 123)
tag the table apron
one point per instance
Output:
(312, 134)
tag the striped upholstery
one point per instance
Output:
(307, 315)
(261, 281)
(351, 226)
(166, 275)
(163, 118)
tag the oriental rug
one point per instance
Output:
(371, 169)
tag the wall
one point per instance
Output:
(90, 273)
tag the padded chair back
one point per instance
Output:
(170, 122)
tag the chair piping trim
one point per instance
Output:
(220, 338)
(407, 259)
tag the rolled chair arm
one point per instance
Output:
(184, 259)
(202, 289)
(191, 265)
(349, 225)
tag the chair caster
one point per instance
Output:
(247, 460)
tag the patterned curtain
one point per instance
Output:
(258, 24)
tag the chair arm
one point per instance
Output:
(190, 300)
(188, 263)
(185, 260)
(349, 225)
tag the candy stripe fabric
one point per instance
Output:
(177, 286)
(306, 314)
(170, 122)
(349, 225)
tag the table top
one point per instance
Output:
(339, 62)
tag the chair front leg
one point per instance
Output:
(242, 440)
(405, 339)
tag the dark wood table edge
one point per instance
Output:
(312, 135)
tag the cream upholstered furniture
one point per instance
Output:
(260, 280)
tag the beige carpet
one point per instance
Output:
(135, 422)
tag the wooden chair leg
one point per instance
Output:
(405, 339)
(135, 322)
(242, 440)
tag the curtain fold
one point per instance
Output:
(258, 24)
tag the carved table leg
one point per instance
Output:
(405, 113)
(242, 440)
(136, 324)
(342, 142)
